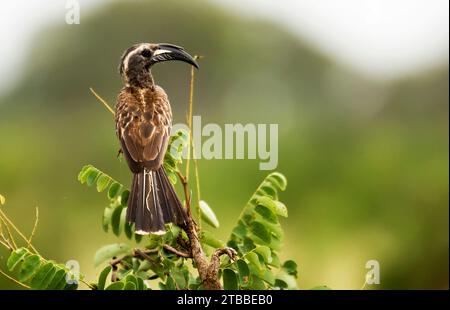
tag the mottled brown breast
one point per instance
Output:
(143, 123)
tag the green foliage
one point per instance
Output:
(37, 272)
(257, 238)
(173, 156)
(114, 213)
(208, 215)
(129, 282)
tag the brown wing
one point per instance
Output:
(143, 122)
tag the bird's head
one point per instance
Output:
(136, 61)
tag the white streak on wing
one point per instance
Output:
(159, 232)
(141, 232)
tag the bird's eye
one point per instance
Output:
(146, 53)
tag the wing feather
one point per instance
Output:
(143, 124)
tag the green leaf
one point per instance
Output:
(115, 220)
(114, 189)
(278, 180)
(275, 261)
(40, 276)
(29, 266)
(128, 227)
(266, 213)
(290, 267)
(116, 286)
(141, 285)
(169, 285)
(92, 175)
(240, 230)
(49, 277)
(58, 278)
(179, 278)
(268, 277)
(102, 278)
(106, 219)
(83, 174)
(129, 286)
(137, 238)
(260, 231)
(209, 239)
(172, 178)
(109, 251)
(230, 281)
(16, 257)
(246, 246)
(244, 272)
(265, 252)
(267, 189)
(102, 182)
(124, 197)
(256, 284)
(207, 214)
(275, 206)
(253, 259)
(131, 278)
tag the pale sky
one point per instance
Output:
(383, 39)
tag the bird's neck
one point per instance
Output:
(141, 80)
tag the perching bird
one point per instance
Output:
(143, 124)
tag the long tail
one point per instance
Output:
(153, 202)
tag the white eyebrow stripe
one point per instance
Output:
(161, 51)
(137, 50)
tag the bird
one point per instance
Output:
(143, 121)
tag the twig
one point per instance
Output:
(197, 183)
(14, 280)
(136, 253)
(34, 228)
(87, 284)
(189, 119)
(177, 252)
(103, 101)
(10, 238)
(2, 214)
(187, 193)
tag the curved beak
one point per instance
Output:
(166, 52)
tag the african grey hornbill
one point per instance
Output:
(143, 124)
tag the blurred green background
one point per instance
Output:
(366, 161)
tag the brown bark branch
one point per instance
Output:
(177, 252)
(208, 271)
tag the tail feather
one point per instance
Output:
(153, 202)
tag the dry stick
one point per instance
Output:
(177, 252)
(208, 272)
(14, 280)
(10, 223)
(3, 240)
(189, 120)
(10, 236)
(17, 230)
(34, 228)
(197, 183)
(103, 101)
